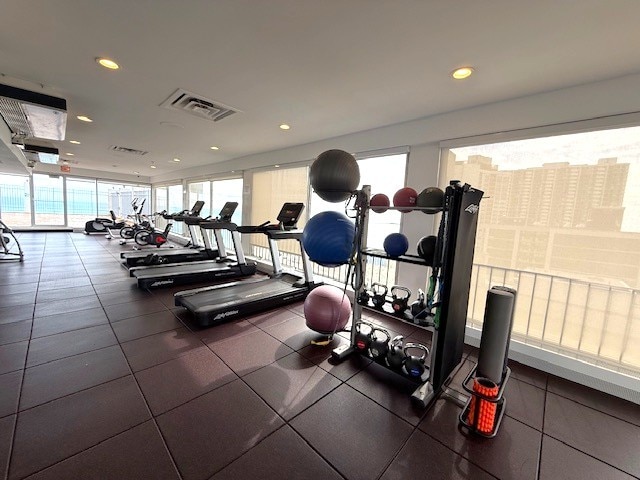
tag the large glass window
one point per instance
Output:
(81, 201)
(48, 199)
(176, 205)
(122, 198)
(15, 200)
(224, 191)
(560, 222)
(200, 191)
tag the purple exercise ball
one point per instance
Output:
(326, 309)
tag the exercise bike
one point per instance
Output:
(151, 236)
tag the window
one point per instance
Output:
(200, 191)
(81, 201)
(15, 200)
(560, 222)
(48, 199)
(176, 205)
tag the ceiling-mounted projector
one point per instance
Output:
(32, 115)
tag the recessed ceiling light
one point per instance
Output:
(214, 148)
(70, 154)
(176, 159)
(461, 73)
(84, 118)
(136, 173)
(153, 166)
(284, 126)
(277, 166)
(106, 63)
(75, 142)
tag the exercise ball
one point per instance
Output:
(405, 197)
(328, 238)
(379, 203)
(431, 198)
(396, 244)
(427, 249)
(334, 175)
(327, 309)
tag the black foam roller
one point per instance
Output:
(496, 332)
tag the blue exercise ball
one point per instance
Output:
(396, 244)
(328, 238)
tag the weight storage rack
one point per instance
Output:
(452, 272)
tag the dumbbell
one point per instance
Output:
(379, 295)
(379, 345)
(419, 305)
(395, 354)
(413, 364)
(400, 303)
(363, 339)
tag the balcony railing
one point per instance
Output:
(599, 324)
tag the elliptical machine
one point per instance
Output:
(103, 225)
(7, 238)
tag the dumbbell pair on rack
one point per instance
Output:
(376, 343)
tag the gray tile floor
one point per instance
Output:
(101, 380)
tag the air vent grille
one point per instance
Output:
(15, 118)
(198, 105)
(131, 151)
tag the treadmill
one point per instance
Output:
(179, 255)
(203, 271)
(221, 303)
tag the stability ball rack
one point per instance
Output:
(454, 257)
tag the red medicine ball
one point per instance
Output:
(405, 197)
(379, 203)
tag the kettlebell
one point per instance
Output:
(395, 355)
(413, 364)
(364, 296)
(363, 339)
(379, 295)
(400, 303)
(379, 344)
(419, 305)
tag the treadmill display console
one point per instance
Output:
(289, 215)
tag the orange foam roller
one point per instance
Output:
(485, 409)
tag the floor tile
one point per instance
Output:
(196, 373)
(53, 324)
(136, 308)
(423, 457)
(137, 327)
(116, 298)
(16, 313)
(614, 406)
(10, 384)
(557, 457)
(250, 352)
(69, 283)
(118, 286)
(512, 454)
(75, 423)
(54, 347)
(291, 384)
(578, 426)
(272, 317)
(344, 370)
(159, 348)
(18, 278)
(524, 402)
(282, 455)
(18, 289)
(294, 333)
(109, 278)
(6, 436)
(356, 435)
(135, 454)
(68, 305)
(63, 294)
(390, 390)
(69, 375)
(12, 356)
(527, 374)
(203, 441)
(13, 299)
(15, 332)
(225, 331)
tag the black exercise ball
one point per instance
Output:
(431, 198)
(334, 175)
(427, 249)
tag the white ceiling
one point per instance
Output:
(327, 67)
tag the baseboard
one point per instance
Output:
(593, 376)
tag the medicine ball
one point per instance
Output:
(432, 198)
(328, 238)
(427, 249)
(396, 244)
(381, 201)
(334, 175)
(326, 309)
(405, 197)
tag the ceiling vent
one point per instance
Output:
(197, 105)
(130, 151)
(32, 115)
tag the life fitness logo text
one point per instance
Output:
(222, 315)
(472, 209)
